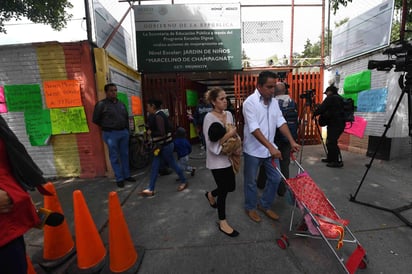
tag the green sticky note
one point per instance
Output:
(38, 126)
(122, 97)
(23, 97)
(191, 98)
(357, 82)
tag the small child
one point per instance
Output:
(183, 149)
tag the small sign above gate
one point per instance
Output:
(262, 31)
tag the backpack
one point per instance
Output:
(348, 110)
(290, 113)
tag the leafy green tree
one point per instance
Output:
(50, 12)
(335, 4)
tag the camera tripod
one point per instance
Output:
(406, 90)
(307, 116)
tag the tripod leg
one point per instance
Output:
(321, 138)
(387, 126)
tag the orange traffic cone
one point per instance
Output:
(123, 255)
(90, 248)
(30, 268)
(58, 241)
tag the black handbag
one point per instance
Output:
(322, 121)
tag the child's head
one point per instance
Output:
(180, 132)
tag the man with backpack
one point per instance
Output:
(290, 113)
(331, 114)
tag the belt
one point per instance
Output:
(112, 129)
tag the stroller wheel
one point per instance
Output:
(283, 242)
(363, 264)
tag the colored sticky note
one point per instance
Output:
(357, 128)
(191, 98)
(137, 107)
(23, 97)
(373, 100)
(38, 126)
(68, 120)
(62, 93)
(3, 106)
(122, 97)
(139, 123)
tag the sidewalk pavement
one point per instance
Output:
(178, 230)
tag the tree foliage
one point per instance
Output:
(50, 12)
(335, 4)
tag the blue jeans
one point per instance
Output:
(183, 163)
(118, 144)
(166, 153)
(250, 171)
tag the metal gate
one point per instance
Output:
(300, 83)
(171, 89)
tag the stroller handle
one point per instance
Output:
(293, 158)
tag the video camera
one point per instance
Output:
(308, 95)
(403, 61)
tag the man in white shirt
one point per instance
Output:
(262, 117)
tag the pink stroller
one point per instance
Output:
(319, 220)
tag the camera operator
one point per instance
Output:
(331, 114)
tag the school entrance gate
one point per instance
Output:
(173, 89)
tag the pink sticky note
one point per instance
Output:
(357, 128)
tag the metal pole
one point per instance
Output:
(110, 38)
(88, 21)
(322, 39)
(292, 32)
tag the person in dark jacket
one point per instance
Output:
(111, 115)
(331, 114)
(160, 133)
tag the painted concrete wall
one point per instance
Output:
(398, 131)
(66, 155)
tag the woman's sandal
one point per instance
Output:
(146, 193)
(182, 187)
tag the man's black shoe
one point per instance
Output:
(325, 160)
(120, 183)
(334, 164)
(130, 179)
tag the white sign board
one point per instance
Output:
(365, 33)
(262, 32)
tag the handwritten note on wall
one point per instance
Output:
(373, 100)
(69, 120)
(38, 126)
(23, 97)
(62, 93)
